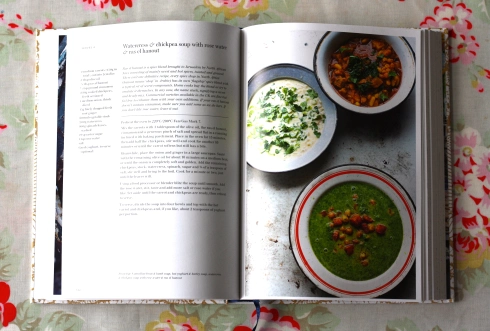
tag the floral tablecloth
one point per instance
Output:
(469, 24)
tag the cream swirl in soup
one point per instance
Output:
(285, 119)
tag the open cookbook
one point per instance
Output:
(199, 161)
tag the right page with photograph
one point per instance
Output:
(334, 163)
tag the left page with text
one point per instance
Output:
(139, 150)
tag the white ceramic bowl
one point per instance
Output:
(303, 251)
(332, 41)
(268, 163)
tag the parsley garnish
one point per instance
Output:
(312, 94)
(354, 67)
(360, 69)
(364, 87)
(372, 70)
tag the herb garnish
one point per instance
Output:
(282, 118)
(360, 69)
(312, 94)
(364, 87)
(383, 96)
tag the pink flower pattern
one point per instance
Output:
(16, 24)
(456, 18)
(7, 309)
(104, 4)
(270, 320)
(465, 50)
(464, 145)
(467, 196)
(236, 8)
(471, 204)
(169, 321)
(463, 46)
(483, 169)
(485, 202)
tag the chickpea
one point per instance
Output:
(371, 101)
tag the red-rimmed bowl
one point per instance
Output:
(303, 250)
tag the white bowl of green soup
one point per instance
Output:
(352, 232)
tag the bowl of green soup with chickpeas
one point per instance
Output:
(352, 231)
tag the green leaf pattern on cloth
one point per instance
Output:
(481, 9)
(406, 325)
(486, 139)
(21, 119)
(284, 6)
(265, 17)
(214, 317)
(401, 325)
(61, 321)
(203, 13)
(4, 166)
(244, 12)
(27, 316)
(225, 318)
(9, 262)
(12, 47)
(471, 280)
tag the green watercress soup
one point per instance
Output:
(355, 231)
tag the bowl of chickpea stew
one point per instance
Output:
(363, 73)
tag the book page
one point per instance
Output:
(150, 163)
(285, 176)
